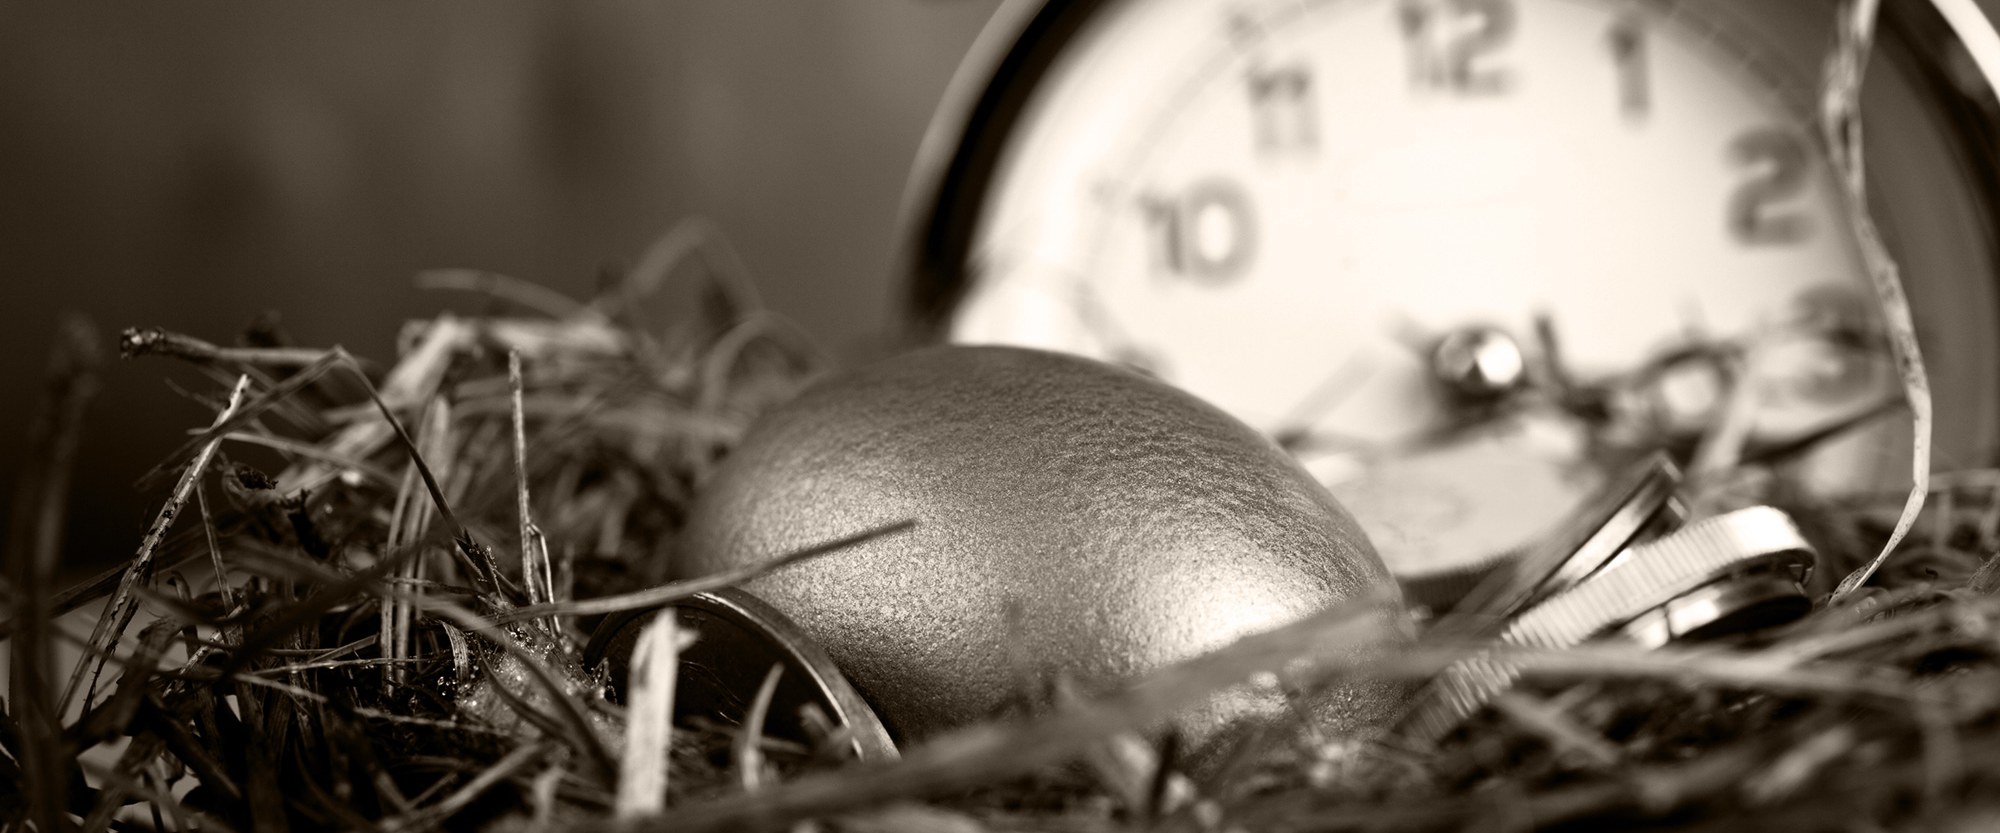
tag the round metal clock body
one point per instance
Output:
(1462, 257)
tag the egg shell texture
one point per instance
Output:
(1073, 518)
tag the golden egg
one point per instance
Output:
(1074, 520)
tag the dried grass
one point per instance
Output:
(386, 635)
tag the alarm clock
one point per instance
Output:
(1466, 258)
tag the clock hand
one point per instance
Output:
(1118, 344)
(1482, 371)
(1768, 453)
(1589, 403)
(1296, 429)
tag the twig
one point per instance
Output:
(247, 412)
(536, 574)
(490, 581)
(542, 792)
(527, 294)
(744, 750)
(294, 447)
(408, 522)
(34, 544)
(460, 798)
(415, 379)
(118, 614)
(693, 236)
(675, 591)
(214, 550)
(1651, 787)
(364, 711)
(1561, 732)
(156, 341)
(985, 753)
(649, 715)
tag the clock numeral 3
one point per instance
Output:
(1281, 104)
(1446, 39)
(1776, 163)
(1207, 233)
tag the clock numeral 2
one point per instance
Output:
(1446, 39)
(1776, 163)
(1207, 233)
(1282, 107)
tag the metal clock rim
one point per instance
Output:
(868, 737)
(961, 149)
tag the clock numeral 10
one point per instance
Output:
(1776, 163)
(1446, 39)
(1207, 233)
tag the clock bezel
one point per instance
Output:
(973, 127)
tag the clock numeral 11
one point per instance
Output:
(1207, 233)
(1281, 105)
(1627, 40)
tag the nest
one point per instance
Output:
(380, 627)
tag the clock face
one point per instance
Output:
(1459, 256)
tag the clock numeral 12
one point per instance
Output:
(1281, 104)
(1207, 233)
(1777, 164)
(1447, 37)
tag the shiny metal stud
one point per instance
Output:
(1479, 363)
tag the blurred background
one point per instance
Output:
(194, 165)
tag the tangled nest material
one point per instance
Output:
(384, 634)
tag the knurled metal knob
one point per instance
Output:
(1699, 575)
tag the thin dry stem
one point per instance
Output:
(118, 614)
(536, 573)
(34, 542)
(155, 341)
(649, 712)
(749, 757)
(990, 752)
(676, 591)
(527, 294)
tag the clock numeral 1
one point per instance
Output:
(1446, 39)
(1207, 233)
(1282, 106)
(1776, 163)
(1627, 40)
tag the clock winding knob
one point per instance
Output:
(1479, 363)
